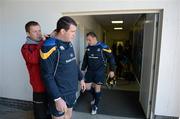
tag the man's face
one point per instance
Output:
(35, 33)
(91, 40)
(70, 34)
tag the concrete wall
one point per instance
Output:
(15, 78)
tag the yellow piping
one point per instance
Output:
(109, 51)
(47, 54)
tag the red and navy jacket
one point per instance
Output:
(31, 56)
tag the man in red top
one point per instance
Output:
(30, 51)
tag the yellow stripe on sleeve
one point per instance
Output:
(47, 54)
(107, 50)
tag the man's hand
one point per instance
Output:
(61, 105)
(83, 85)
(43, 37)
(111, 74)
(53, 34)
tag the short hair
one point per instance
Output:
(64, 23)
(92, 34)
(29, 24)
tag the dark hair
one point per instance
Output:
(92, 34)
(64, 23)
(29, 24)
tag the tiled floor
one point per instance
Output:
(13, 113)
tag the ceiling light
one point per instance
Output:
(117, 22)
(118, 28)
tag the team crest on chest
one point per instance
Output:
(61, 47)
(70, 45)
(98, 49)
(71, 55)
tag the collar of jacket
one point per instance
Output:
(30, 41)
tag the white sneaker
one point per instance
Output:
(92, 102)
(94, 110)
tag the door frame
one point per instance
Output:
(157, 44)
(156, 62)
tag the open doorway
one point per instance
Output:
(135, 49)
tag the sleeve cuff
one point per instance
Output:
(57, 99)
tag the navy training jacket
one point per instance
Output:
(59, 69)
(97, 56)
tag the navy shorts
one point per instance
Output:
(97, 77)
(70, 101)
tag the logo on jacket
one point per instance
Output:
(61, 47)
(70, 45)
(70, 60)
(71, 55)
(93, 57)
(98, 50)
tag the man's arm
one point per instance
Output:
(110, 58)
(49, 57)
(81, 79)
(85, 62)
(48, 61)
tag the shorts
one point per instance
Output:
(97, 77)
(70, 102)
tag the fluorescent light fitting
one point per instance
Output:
(117, 22)
(118, 28)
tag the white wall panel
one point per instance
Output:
(1, 50)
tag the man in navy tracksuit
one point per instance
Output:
(96, 56)
(59, 69)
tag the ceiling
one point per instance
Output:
(105, 20)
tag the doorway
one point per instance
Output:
(138, 76)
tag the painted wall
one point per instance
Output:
(167, 92)
(1, 50)
(89, 23)
(178, 54)
(15, 78)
